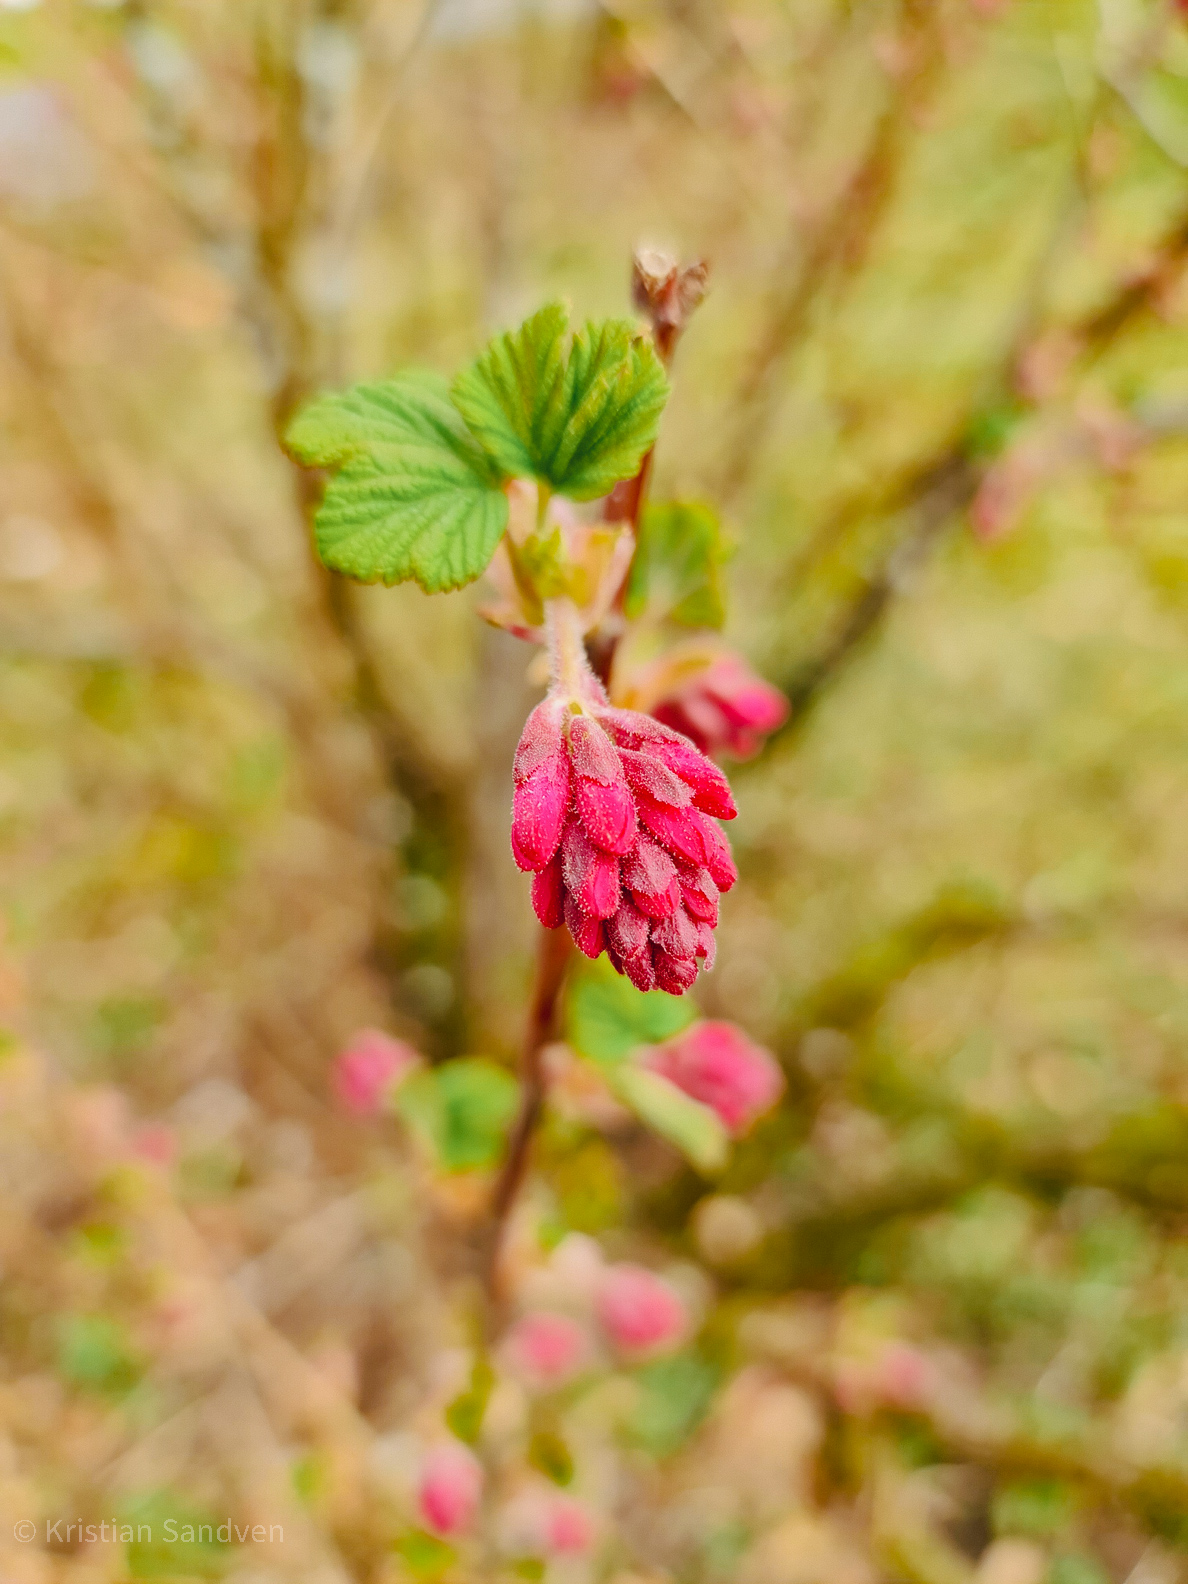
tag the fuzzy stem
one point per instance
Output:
(569, 666)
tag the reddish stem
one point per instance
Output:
(552, 959)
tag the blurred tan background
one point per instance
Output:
(940, 392)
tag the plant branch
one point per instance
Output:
(553, 953)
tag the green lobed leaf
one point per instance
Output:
(695, 1129)
(675, 574)
(607, 1017)
(578, 416)
(463, 1108)
(412, 495)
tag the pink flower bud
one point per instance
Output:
(591, 876)
(640, 1312)
(905, 1377)
(608, 805)
(568, 1527)
(451, 1488)
(546, 1524)
(369, 1069)
(547, 1349)
(156, 1144)
(548, 894)
(898, 1375)
(717, 1064)
(538, 818)
(726, 708)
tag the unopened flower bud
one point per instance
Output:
(450, 1489)
(640, 1311)
(547, 1349)
(369, 1069)
(717, 1064)
(568, 1527)
(546, 1524)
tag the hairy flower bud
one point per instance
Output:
(615, 813)
(450, 1489)
(717, 1064)
(639, 1311)
(725, 708)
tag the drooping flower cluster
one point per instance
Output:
(616, 814)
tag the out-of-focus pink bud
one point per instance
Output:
(607, 803)
(568, 1527)
(156, 1144)
(717, 1064)
(547, 1349)
(898, 1375)
(640, 1312)
(904, 1376)
(369, 1069)
(725, 708)
(451, 1488)
(545, 1524)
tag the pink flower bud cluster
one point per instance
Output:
(726, 708)
(717, 1064)
(616, 814)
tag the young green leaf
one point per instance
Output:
(675, 1396)
(463, 1109)
(426, 1557)
(577, 416)
(675, 575)
(695, 1129)
(413, 496)
(550, 1456)
(465, 1414)
(608, 1018)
